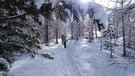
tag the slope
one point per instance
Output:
(80, 58)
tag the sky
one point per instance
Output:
(109, 3)
(105, 3)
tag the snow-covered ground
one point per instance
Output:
(80, 58)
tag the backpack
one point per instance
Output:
(62, 36)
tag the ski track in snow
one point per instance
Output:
(79, 69)
(84, 62)
(80, 58)
(74, 51)
(70, 58)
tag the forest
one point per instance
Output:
(26, 25)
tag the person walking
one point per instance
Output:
(63, 40)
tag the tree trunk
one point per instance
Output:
(72, 31)
(129, 32)
(77, 31)
(57, 36)
(111, 47)
(46, 35)
(95, 28)
(101, 44)
(123, 27)
(92, 34)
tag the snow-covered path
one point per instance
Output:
(80, 58)
(72, 45)
(86, 58)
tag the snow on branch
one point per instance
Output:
(13, 17)
(4, 65)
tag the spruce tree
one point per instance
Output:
(17, 33)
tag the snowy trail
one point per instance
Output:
(75, 50)
(75, 60)
(70, 58)
(89, 59)
(80, 58)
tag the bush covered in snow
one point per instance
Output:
(4, 65)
